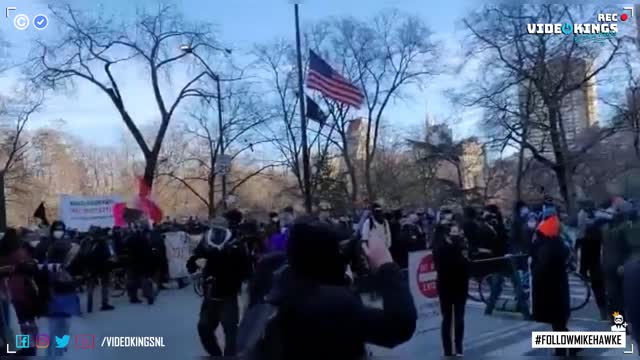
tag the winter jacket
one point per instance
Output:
(550, 279)
(331, 322)
(452, 265)
(229, 267)
(19, 285)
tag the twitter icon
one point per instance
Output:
(62, 342)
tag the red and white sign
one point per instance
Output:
(426, 277)
(422, 282)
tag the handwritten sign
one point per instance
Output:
(178, 249)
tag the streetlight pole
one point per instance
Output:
(221, 142)
(303, 122)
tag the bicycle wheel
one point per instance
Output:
(119, 283)
(198, 287)
(484, 288)
(473, 293)
(579, 291)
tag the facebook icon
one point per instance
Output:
(22, 341)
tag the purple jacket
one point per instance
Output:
(278, 241)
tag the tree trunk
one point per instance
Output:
(520, 174)
(367, 179)
(211, 197)
(3, 204)
(561, 152)
(566, 185)
(150, 169)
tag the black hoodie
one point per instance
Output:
(321, 317)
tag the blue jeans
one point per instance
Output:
(58, 326)
(497, 280)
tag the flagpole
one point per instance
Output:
(303, 122)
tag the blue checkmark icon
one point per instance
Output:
(40, 22)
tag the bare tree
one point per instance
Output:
(526, 81)
(277, 61)
(14, 115)
(90, 49)
(386, 56)
(200, 158)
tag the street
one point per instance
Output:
(174, 317)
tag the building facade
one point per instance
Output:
(578, 108)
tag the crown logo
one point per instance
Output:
(615, 313)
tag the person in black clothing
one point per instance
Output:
(399, 250)
(228, 266)
(320, 315)
(56, 232)
(496, 239)
(452, 264)
(140, 265)
(549, 279)
(590, 259)
(99, 268)
(411, 238)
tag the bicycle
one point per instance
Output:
(508, 295)
(118, 282)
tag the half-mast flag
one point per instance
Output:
(314, 112)
(323, 78)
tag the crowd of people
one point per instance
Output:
(308, 272)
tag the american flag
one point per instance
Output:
(323, 78)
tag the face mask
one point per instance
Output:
(531, 224)
(524, 211)
(58, 234)
(274, 219)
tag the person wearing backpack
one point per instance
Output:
(318, 314)
(63, 301)
(376, 227)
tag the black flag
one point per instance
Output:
(315, 113)
(41, 213)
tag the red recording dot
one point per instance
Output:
(624, 17)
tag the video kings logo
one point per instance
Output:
(607, 24)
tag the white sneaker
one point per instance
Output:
(460, 355)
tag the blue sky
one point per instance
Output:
(240, 24)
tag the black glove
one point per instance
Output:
(191, 265)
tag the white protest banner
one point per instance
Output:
(422, 282)
(82, 212)
(177, 245)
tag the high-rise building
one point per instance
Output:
(357, 139)
(578, 108)
(472, 159)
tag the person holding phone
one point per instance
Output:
(321, 315)
(452, 265)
